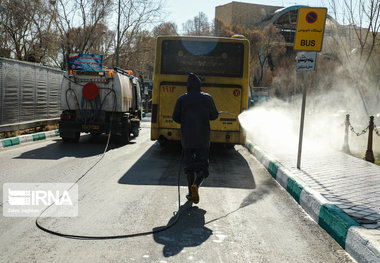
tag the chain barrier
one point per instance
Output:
(369, 156)
(357, 133)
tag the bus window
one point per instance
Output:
(179, 57)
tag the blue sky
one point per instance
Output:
(179, 11)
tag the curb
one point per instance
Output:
(5, 143)
(344, 229)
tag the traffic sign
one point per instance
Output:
(305, 61)
(311, 17)
(310, 28)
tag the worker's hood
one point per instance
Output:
(193, 83)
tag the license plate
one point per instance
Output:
(91, 127)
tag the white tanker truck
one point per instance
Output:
(100, 102)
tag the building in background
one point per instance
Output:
(250, 15)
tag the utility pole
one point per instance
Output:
(118, 37)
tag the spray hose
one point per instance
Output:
(89, 237)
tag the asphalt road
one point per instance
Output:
(243, 214)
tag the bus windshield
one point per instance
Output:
(206, 58)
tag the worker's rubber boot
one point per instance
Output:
(190, 181)
(195, 187)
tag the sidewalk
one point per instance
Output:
(340, 192)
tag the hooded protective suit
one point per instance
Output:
(193, 111)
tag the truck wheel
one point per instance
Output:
(140, 115)
(135, 131)
(125, 136)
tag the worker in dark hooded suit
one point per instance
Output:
(194, 110)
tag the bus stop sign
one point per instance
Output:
(310, 28)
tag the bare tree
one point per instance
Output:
(355, 42)
(198, 26)
(49, 30)
(143, 58)
(79, 23)
(363, 17)
(165, 29)
(27, 30)
(136, 15)
(221, 29)
(267, 45)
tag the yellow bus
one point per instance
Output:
(223, 66)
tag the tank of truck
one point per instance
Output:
(115, 91)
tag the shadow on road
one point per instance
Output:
(189, 231)
(161, 165)
(88, 146)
